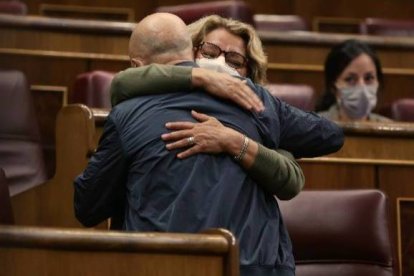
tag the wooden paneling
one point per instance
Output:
(141, 8)
(54, 251)
(383, 142)
(48, 100)
(112, 38)
(58, 68)
(396, 181)
(100, 13)
(305, 8)
(377, 147)
(353, 8)
(293, 58)
(51, 203)
(336, 25)
(405, 207)
(329, 176)
(55, 34)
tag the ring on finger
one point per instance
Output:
(190, 141)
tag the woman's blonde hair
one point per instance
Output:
(257, 60)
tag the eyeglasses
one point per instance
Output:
(233, 59)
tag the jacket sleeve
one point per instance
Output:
(304, 134)
(100, 189)
(149, 80)
(277, 172)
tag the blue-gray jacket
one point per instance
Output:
(158, 192)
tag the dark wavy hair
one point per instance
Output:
(337, 60)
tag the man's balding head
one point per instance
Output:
(160, 38)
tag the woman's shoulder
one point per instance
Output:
(379, 118)
(331, 114)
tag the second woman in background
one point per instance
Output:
(353, 76)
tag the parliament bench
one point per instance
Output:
(51, 203)
(294, 57)
(63, 251)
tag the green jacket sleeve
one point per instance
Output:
(277, 172)
(150, 79)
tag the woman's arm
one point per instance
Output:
(158, 79)
(275, 171)
(149, 80)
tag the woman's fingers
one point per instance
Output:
(176, 135)
(245, 96)
(182, 143)
(192, 149)
(201, 117)
(251, 97)
(188, 152)
(179, 125)
(203, 136)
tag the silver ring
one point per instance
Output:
(190, 141)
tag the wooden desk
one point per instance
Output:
(379, 141)
(56, 68)
(294, 57)
(51, 203)
(97, 36)
(55, 251)
(59, 34)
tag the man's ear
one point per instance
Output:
(136, 62)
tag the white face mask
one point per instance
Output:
(358, 101)
(217, 64)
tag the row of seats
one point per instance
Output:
(263, 22)
(237, 10)
(13, 7)
(92, 89)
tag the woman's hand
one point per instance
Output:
(224, 86)
(208, 136)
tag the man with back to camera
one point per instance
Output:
(164, 193)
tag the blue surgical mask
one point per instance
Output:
(358, 101)
(217, 64)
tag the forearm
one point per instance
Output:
(149, 80)
(276, 171)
